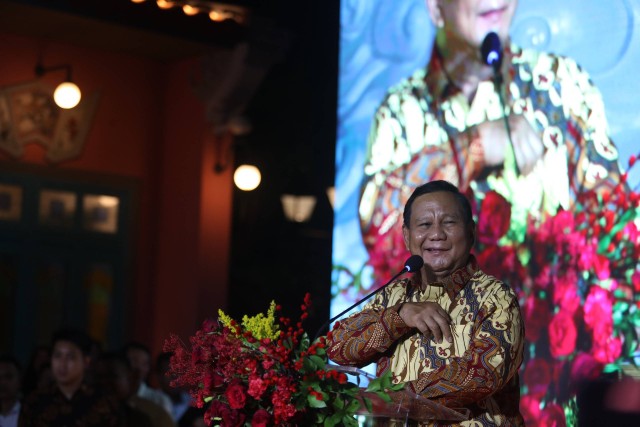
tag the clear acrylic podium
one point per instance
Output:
(405, 409)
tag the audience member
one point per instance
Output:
(139, 357)
(9, 391)
(114, 375)
(40, 357)
(70, 401)
(180, 399)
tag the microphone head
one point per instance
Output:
(491, 50)
(413, 263)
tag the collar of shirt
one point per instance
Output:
(14, 411)
(453, 283)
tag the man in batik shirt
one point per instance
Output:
(70, 401)
(450, 333)
(447, 121)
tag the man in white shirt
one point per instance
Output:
(140, 359)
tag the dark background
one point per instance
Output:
(293, 118)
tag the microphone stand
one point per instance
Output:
(328, 322)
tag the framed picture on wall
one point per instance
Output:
(57, 208)
(10, 202)
(100, 213)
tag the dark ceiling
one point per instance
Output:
(120, 25)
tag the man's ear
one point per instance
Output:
(435, 13)
(472, 232)
(405, 235)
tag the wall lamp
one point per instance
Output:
(67, 95)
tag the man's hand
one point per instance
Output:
(429, 318)
(527, 145)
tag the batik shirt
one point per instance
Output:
(426, 129)
(88, 407)
(478, 371)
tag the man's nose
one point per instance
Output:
(437, 233)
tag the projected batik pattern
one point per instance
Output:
(484, 357)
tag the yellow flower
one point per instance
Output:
(260, 326)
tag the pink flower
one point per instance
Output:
(607, 350)
(584, 368)
(598, 312)
(635, 279)
(553, 416)
(530, 409)
(562, 334)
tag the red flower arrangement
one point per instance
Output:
(263, 373)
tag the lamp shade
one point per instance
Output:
(67, 95)
(298, 208)
(247, 177)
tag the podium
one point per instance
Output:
(405, 409)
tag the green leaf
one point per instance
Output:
(384, 396)
(315, 403)
(349, 421)
(317, 361)
(333, 420)
(368, 404)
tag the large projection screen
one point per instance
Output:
(384, 41)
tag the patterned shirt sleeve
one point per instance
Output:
(491, 361)
(363, 337)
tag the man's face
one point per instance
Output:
(467, 22)
(438, 234)
(140, 362)
(9, 381)
(68, 363)
(114, 378)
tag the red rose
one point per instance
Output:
(536, 317)
(565, 292)
(236, 396)
(220, 414)
(261, 418)
(537, 376)
(494, 217)
(553, 416)
(256, 387)
(562, 334)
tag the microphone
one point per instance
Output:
(491, 51)
(413, 263)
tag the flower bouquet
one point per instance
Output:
(264, 372)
